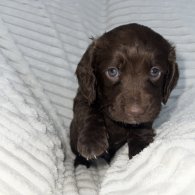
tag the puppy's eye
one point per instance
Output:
(155, 72)
(112, 72)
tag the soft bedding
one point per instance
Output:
(41, 43)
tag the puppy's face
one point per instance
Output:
(134, 70)
(130, 82)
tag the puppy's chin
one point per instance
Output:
(123, 119)
(133, 122)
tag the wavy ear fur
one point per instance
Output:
(171, 76)
(85, 74)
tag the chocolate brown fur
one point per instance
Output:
(110, 111)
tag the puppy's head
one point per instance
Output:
(128, 72)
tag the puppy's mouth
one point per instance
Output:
(133, 123)
(125, 120)
(122, 118)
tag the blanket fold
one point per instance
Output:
(41, 43)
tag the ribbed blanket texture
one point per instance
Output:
(41, 43)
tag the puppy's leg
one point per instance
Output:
(138, 139)
(92, 139)
(87, 133)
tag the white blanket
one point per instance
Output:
(41, 43)
(167, 166)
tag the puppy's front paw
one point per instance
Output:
(92, 144)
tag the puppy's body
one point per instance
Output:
(123, 77)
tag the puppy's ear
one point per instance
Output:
(85, 74)
(172, 75)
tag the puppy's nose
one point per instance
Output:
(134, 109)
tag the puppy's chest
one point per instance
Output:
(117, 135)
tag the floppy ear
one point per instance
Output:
(85, 74)
(172, 75)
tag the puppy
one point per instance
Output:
(123, 77)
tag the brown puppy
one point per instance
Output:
(123, 77)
